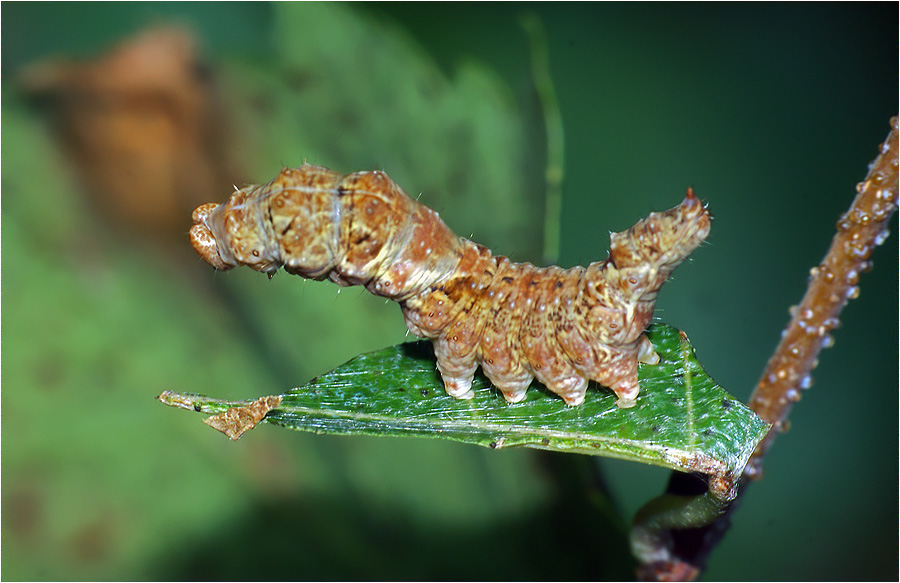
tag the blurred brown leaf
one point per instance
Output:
(145, 126)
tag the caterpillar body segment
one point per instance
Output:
(517, 321)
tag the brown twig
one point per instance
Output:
(831, 285)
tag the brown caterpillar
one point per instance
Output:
(518, 321)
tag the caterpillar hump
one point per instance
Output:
(515, 320)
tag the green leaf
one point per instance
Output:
(682, 421)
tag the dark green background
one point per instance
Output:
(770, 111)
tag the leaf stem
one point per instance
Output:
(652, 534)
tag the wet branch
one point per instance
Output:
(831, 285)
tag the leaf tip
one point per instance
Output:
(180, 400)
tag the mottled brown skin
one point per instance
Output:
(515, 320)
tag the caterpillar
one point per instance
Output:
(517, 321)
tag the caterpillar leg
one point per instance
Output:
(549, 362)
(572, 389)
(505, 371)
(646, 351)
(514, 390)
(457, 372)
(627, 392)
(458, 387)
(627, 389)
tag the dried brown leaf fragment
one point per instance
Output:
(146, 126)
(238, 420)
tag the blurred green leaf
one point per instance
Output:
(101, 322)
(683, 420)
(352, 92)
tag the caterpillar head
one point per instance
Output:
(234, 233)
(203, 240)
